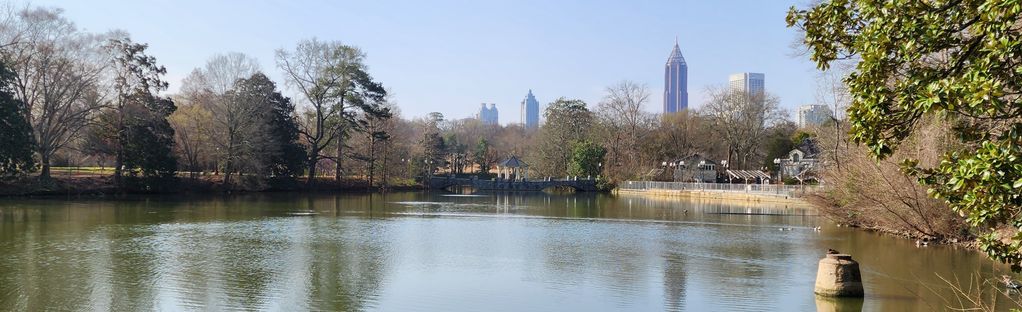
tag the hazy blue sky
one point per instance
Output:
(449, 56)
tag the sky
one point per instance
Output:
(450, 56)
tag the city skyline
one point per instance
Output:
(571, 50)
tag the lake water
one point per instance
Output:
(439, 252)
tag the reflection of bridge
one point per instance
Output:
(581, 185)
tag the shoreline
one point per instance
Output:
(103, 186)
(733, 197)
(758, 199)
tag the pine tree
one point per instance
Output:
(15, 132)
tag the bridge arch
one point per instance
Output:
(584, 185)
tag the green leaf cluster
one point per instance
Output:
(586, 159)
(953, 59)
(16, 140)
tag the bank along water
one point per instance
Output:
(450, 252)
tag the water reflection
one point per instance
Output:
(420, 251)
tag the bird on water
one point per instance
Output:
(832, 252)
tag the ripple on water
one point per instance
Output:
(532, 253)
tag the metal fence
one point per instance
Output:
(758, 189)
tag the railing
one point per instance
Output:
(758, 189)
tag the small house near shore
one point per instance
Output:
(802, 162)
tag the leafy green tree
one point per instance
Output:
(15, 132)
(274, 129)
(289, 161)
(138, 117)
(957, 60)
(373, 128)
(432, 144)
(457, 153)
(780, 140)
(482, 156)
(149, 139)
(586, 159)
(567, 121)
(433, 147)
(364, 98)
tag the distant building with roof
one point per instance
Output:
(488, 115)
(802, 162)
(694, 168)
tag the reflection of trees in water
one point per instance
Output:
(743, 259)
(130, 265)
(341, 265)
(577, 252)
(221, 252)
(675, 274)
(246, 251)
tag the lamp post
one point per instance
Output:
(702, 163)
(780, 171)
(724, 163)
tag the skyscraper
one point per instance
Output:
(675, 82)
(748, 83)
(488, 116)
(530, 111)
(814, 115)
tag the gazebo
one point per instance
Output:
(513, 169)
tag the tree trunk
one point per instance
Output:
(228, 169)
(384, 166)
(118, 167)
(372, 160)
(313, 159)
(44, 172)
(337, 161)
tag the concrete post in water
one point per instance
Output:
(838, 276)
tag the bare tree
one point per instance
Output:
(681, 134)
(832, 91)
(334, 85)
(12, 26)
(742, 120)
(58, 76)
(625, 125)
(236, 120)
(191, 124)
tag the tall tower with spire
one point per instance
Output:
(675, 82)
(530, 111)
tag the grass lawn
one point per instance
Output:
(81, 170)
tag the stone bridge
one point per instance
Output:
(580, 185)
